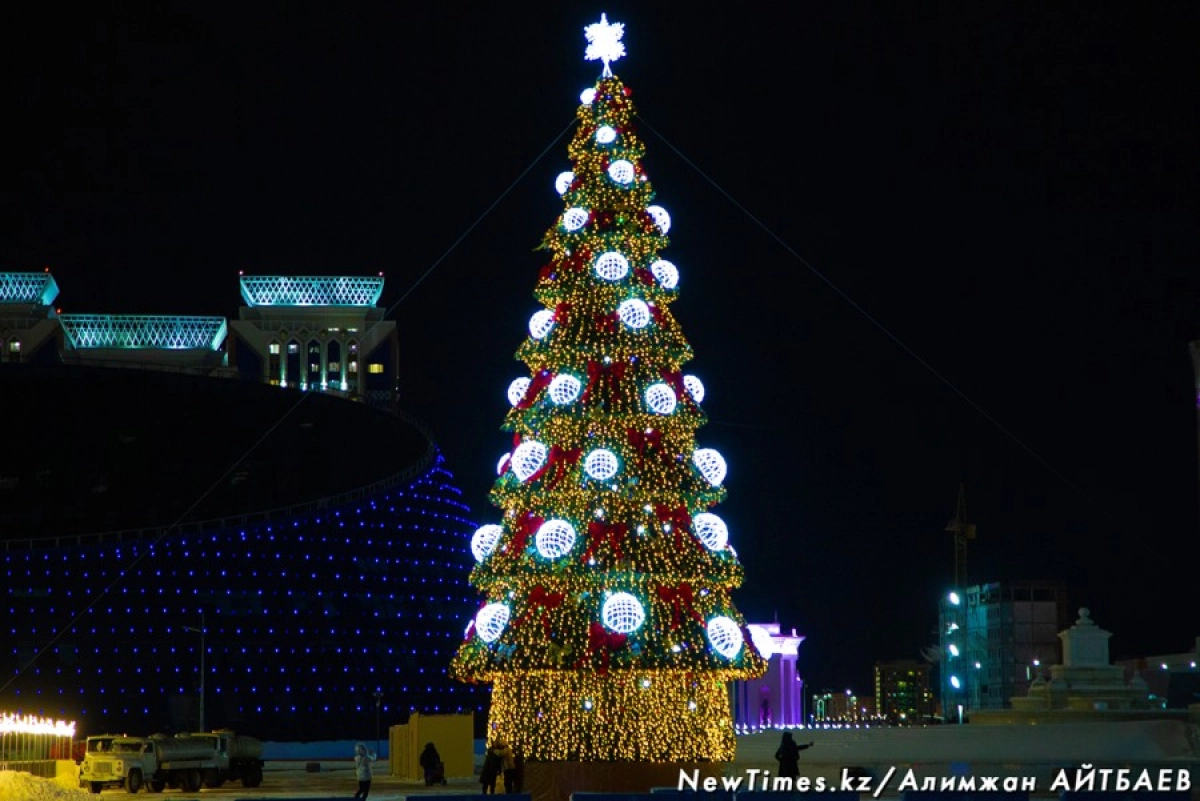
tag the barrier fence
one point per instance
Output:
(31, 744)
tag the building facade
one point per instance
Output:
(993, 640)
(903, 693)
(775, 699)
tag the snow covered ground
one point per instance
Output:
(1021, 751)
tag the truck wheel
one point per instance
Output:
(252, 777)
(153, 786)
(133, 782)
(213, 779)
(190, 782)
(95, 787)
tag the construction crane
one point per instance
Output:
(963, 532)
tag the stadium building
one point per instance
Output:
(206, 524)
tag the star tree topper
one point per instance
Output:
(604, 42)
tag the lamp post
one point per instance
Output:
(201, 633)
(378, 702)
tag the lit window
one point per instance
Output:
(335, 367)
(354, 367)
(273, 348)
(293, 347)
(14, 346)
(375, 368)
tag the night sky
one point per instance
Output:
(921, 245)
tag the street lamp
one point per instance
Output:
(378, 702)
(201, 633)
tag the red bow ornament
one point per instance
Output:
(602, 374)
(558, 463)
(536, 385)
(680, 520)
(604, 642)
(680, 598)
(600, 532)
(540, 599)
(523, 528)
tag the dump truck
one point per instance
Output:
(158, 762)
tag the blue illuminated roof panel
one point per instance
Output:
(311, 290)
(38, 288)
(137, 331)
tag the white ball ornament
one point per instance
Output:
(623, 613)
(484, 540)
(563, 182)
(601, 464)
(711, 465)
(621, 171)
(660, 217)
(666, 273)
(634, 313)
(710, 530)
(660, 398)
(761, 638)
(694, 387)
(554, 538)
(725, 636)
(540, 323)
(587, 96)
(503, 463)
(611, 266)
(606, 134)
(574, 218)
(528, 458)
(517, 390)
(564, 389)
(491, 620)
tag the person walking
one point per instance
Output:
(362, 770)
(508, 766)
(788, 755)
(431, 763)
(493, 766)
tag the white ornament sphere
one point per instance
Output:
(661, 218)
(611, 266)
(574, 218)
(623, 613)
(500, 465)
(634, 313)
(540, 323)
(517, 390)
(605, 134)
(710, 530)
(565, 388)
(725, 636)
(601, 464)
(563, 182)
(711, 465)
(587, 96)
(621, 171)
(762, 640)
(491, 620)
(666, 273)
(660, 398)
(554, 538)
(528, 458)
(484, 540)
(695, 387)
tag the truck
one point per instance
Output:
(158, 762)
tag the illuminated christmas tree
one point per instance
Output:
(607, 629)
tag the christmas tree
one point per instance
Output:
(607, 629)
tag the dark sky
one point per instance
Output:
(921, 245)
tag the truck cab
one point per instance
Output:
(117, 761)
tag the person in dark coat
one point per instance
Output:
(788, 755)
(493, 766)
(431, 763)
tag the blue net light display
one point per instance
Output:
(306, 614)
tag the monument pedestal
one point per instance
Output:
(555, 781)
